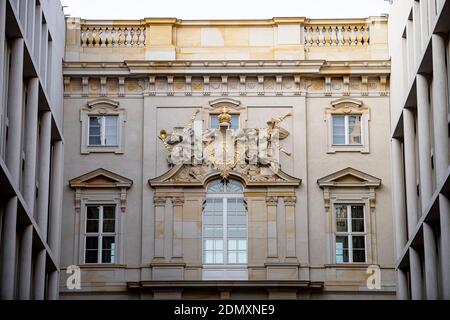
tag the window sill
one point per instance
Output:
(348, 265)
(102, 266)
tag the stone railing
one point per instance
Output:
(337, 35)
(113, 36)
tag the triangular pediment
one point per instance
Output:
(349, 177)
(198, 176)
(101, 178)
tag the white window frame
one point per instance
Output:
(102, 131)
(100, 234)
(349, 234)
(347, 107)
(224, 271)
(347, 129)
(102, 108)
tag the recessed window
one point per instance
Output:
(225, 225)
(103, 131)
(235, 122)
(347, 130)
(100, 244)
(350, 234)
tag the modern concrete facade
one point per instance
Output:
(138, 227)
(31, 147)
(420, 50)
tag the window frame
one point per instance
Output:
(102, 108)
(349, 234)
(347, 130)
(102, 131)
(346, 107)
(100, 234)
(224, 196)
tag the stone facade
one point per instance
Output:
(152, 75)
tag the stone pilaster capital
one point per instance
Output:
(178, 201)
(290, 201)
(159, 201)
(272, 201)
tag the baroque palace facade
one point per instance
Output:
(143, 226)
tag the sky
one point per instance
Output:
(224, 9)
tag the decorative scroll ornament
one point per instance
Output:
(250, 152)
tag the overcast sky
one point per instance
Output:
(224, 9)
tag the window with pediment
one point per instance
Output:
(347, 126)
(103, 127)
(233, 107)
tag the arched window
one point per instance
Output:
(225, 226)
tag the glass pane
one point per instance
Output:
(232, 257)
(358, 219)
(95, 131)
(108, 242)
(214, 122)
(338, 129)
(242, 257)
(109, 212)
(219, 257)
(342, 249)
(91, 256)
(219, 245)
(216, 187)
(359, 256)
(235, 187)
(209, 245)
(109, 219)
(232, 245)
(341, 219)
(107, 256)
(242, 245)
(359, 242)
(209, 257)
(354, 126)
(235, 122)
(91, 243)
(92, 219)
(111, 131)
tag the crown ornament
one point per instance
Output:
(224, 119)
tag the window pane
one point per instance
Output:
(219, 257)
(341, 219)
(354, 126)
(232, 245)
(95, 131)
(111, 131)
(108, 250)
(232, 257)
(91, 256)
(242, 245)
(338, 129)
(214, 122)
(92, 219)
(342, 250)
(209, 257)
(359, 242)
(91, 243)
(358, 219)
(242, 257)
(235, 122)
(109, 219)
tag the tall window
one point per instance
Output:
(225, 225)
(103, 131)
(100, 246)
(347, 130)
(235, 119)
(350, 234)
